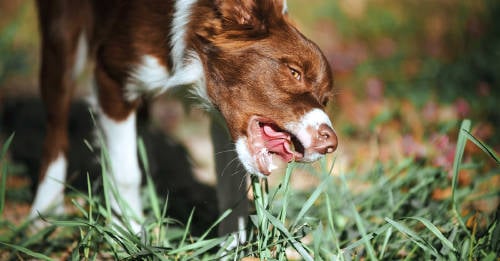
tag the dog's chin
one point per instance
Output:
(264, 145)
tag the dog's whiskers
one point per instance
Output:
(224, 151)
(227, 165)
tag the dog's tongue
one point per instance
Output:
(277, 142)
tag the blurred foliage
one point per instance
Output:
(18, 37)
(445, 51)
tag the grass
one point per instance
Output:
(394, 218)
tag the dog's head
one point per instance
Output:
(270, 83)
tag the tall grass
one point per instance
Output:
(393, 218)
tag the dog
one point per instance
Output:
(244, 60)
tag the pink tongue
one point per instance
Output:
(277, 142)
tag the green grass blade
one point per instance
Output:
(6, 146)
(280, 248)
(3, 172)
(331, 222)
(318, 236)
(155, 203)
(261, 219)
(81, 209)
(435, 231)
(482, 146)
(90, 199)
(286, 191)
(38, 237)
(465, 250)
(294, 242)
(76, 222)
(162, 227)
(3, 185)
(106, 187)
(27, 252)
(413, 237)
(360, 225)
(362, 230)
(310, 201)
(186, 230)
(222, 217)
(197, 245)
(491, 257)
(388, 234)
(462, 140)
(207, 246)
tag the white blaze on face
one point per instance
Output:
(302, 130)
(312, 119)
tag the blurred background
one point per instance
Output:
(407, 72)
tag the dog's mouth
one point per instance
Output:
(266, 139)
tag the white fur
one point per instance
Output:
(242, 232)
(248, 161)
(122, 148)
(152, 77)
(81, 55)
(246, 157)
(198, 84)
(191, 74)
(178, 31)
(285, 7)
(148, 76)
(187, 66)
(237, 238)
(50, 193)
(312, 119)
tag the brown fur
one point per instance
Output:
(255, 62)
(247, 57)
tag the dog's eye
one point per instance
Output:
(295, 74)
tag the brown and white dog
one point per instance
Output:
(243, 58)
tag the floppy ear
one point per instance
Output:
(251, 13)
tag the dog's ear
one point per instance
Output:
(255, 14)
(238, 12)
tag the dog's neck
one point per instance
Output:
(203, 29)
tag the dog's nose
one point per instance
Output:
(326, 140)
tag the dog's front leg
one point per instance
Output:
(231, 182)
(118, 123)
(62, 39)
